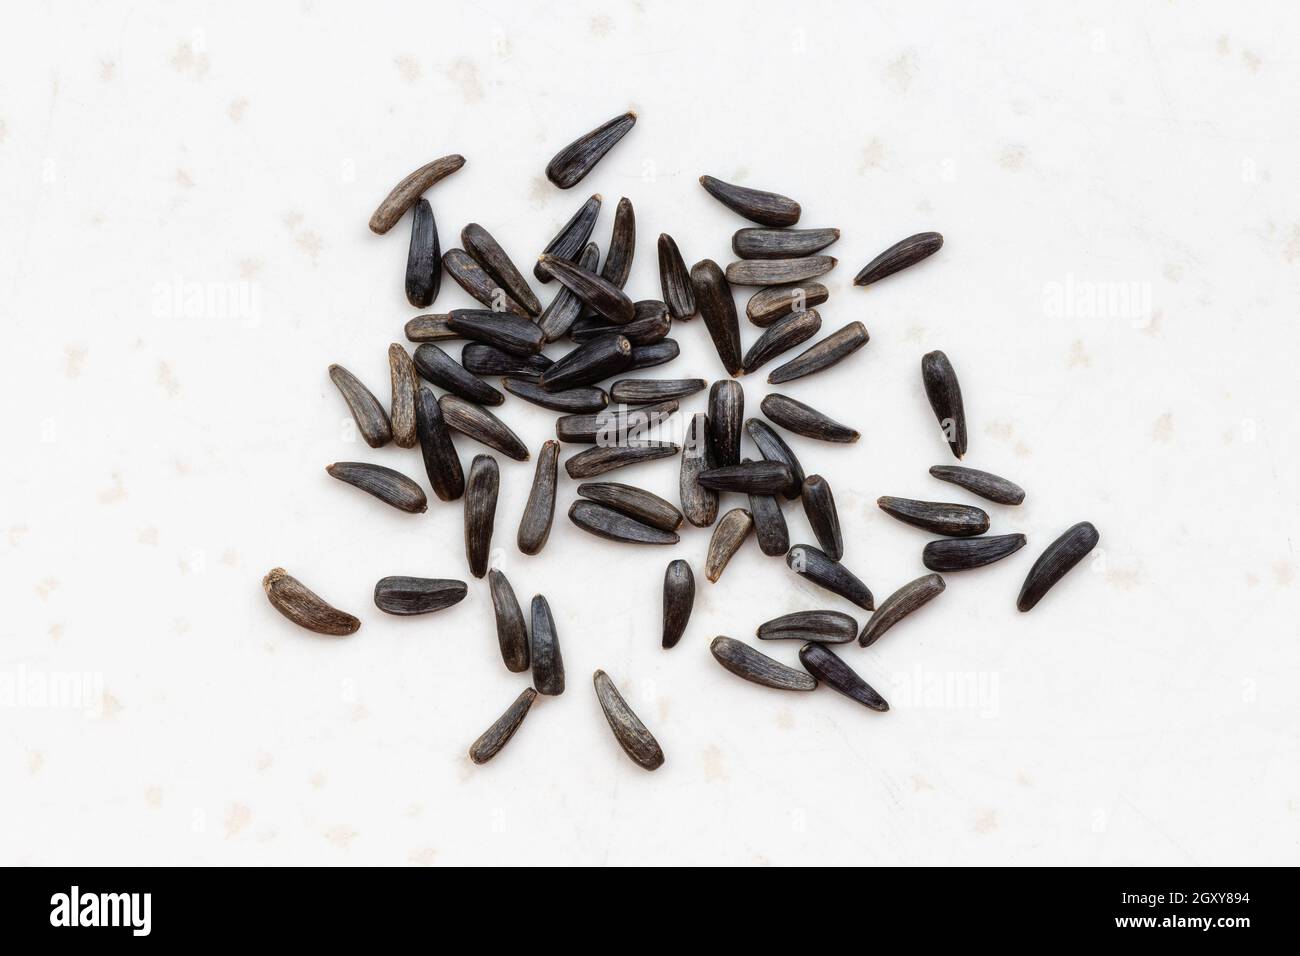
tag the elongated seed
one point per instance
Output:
(441, 369)
(766, 272)
(423, 258)
(491, 741)
(372, 420)
(749, 477)
(726, 414)
(805, 420)
(544, 650)
(475, 280)
(699, 504)
(944, 393)
(823, 663)
(752, 243)
(406, 192)
(644, 506)
(572, 237)
(899, 605)
(899, 256)
(589, 363)
(767, 305)
(510, 333)
(489, 360)
(637, 742)
(821, 569)
(651, 325)
(937, 517)
(615, 526)
(398, 594)
(614, 426)
(565, 307)
(474, 421)
(1054, 563)
(430, 328)
(402, 408)
(390, 487)
(826, 627)
(781, 336)
(982, 483)
(773, 447)
(657, 353)
(597, 461)
(599, 293)
(512, 629)
(831, 350)
(819, 506)
(744, 661)
(674, 280)
(304, 607)
(572, 163)
(480, 512)
(756, 205)
(679, 599)
(728, 536)
(769, 525)
(961, 554)
(642, 391)
(622, 245)
(487, 252)
(583, 399)
(539, 512)
(441, 463)
(718, 309)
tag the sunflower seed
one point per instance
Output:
(480, 512)
(781, 336)
(641, 391)
(586, 399)
(728, 536)
(679, 598)
(487, 252)
(572, 237)
(752, 243)
(657, 353)
(402, 595)
(822, 355)
(424, 258)
(436, 366)
(749, 477)
(769, 525)
(597, 461)
(944, 393)
(614, 526)
(406, 192)
(767, 305)
(539, 512)
(599, 293)
(819, 506)
(699, 504)
(826, 627)
(820, 661)
(474, 421)
(565, 307)
(612, 427)
(390, 487)
(1054, 563)
(589, 363)
(371, 419)
(726, 413)
(474, 279)
(512, 629)
(674, 280)
(773, 447)
(899, 256)
(956, 521)
(825, 572)
(402, 408)
(579, 157)
(544, 650)
(304, 607)
(430, 328)
(805, 420)
(637, 742)
(498, 735)
(767, 272)
(744, 661)
(622, 245)
(651, 325)
(441, 463)
(982, 483)
(898, 605)
(644, 506)
(960, 554)
(718, 308)
(756, 205)
(509, 333)
(490, 360)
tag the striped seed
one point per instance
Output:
(826, 627)
(622, 245)
(899, 605)
(489, 360)
(821, 569)
(751, 243)
(423, 258)
(372, 420)
(831, 350)
(674, 280)
(781, 336)
(961, 554)
(718, 309)
(390, 487)
(679, 599)
(512, 629)
(441, 463)
(614, 426)
(769, 524)
(637, 742)
(565, 307)
(401, 411)
(582, 399)
(650, 325)
(304, 607)
(643, 391)
(572, 237)
(480, 512)
(819, 506)
(937, 517)
(474, 421)
(487, 252)
(406, 192)
(728, 536)
(726, 414)
(596, 291)
(398, 594)
(539, 512)
(982, 483)
(614, 526)
(544, 650)
(1054, 563)
(491, 741)
(571, 164)
(767, 305)
(436, 366)
(699, 504)
(766, 272)
(515, 334)
(430, 328)
(805, 420)
(597, 461)
(756, 205)
(823, 663)
(773, 447)
(475, 280)
(899, 256)
(944, 393)
(744, 661)
(644, 506)
(749, 477)
(587, 364)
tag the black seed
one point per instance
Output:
(402, 595)
(596, 291)
(658, 353)
(944, 393)
(304, 607)
(430, 328)
(441, 369)
(651, 325)
(674, 280)
(756, 205)
(819, 506)
(487, 252)
(614, 426)
(535, 525)
(499, 734)
(509, 333)
(820, 661)
(544, 650)
(956, 521)
(490, 360)
(961, 554)
(597, 461)
(637, 742)
(766, 272)
(754, 243)
(641, 391)
(614, 526)
(401, 411)
(805, 420)
(769, 525)
(480, 512)
(410, 189)
(679, 599)
(826, 627)
(899, 256)
(749, 477)
(833, 349)
(728, 536)
(644, 506)
(773, 447)
(699, 504)
(423, 259)
(825, 572)
(372, 420)
(743, 661)
(781, 336)
(900, 604)
(767, 305)
(726, 413)
(577, 159)
(476, 422)
(572, 237)
(589, 363)
(585, 399)
(1053, 564)
(390, 487)
(441, 463)
(982, 483)
(512, 629)
(718, 308)
(622, 245)
(474, 279)
(565, 307)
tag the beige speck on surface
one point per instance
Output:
(188, 61)
(1012, 158)
(167, 379)
(1283, 573)
(464, 73)
(238, 817)
(902, 71)
(714, 769)
(35, 761)
(986, 821)
(237, 108)
(341, 836)
(873, 156)
(1163, 429)
(1078, 357)
(153, 797)
(1291, 251)
(115, 492)
(408, 68)
(424, 856)
(601, 26)
(74, 357)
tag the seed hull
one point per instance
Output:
(423, 258)
(1055, 562)
(568, 167)
(436, 366)
(614, 526)
(480, 512)
(404, 385)
(441, 463)
(899, 256)
(825, 665)
(830, 351)
(474, 421)
(937, 517)
(728, 536)
(544, 650)
(304, 607)
(718, 309)
(981, 483)
(402, 595)
(637, 742)
(674, 280)
(539, 512)
(679, 599)
(944, 393)
(900, 604)
(512, 629)
(487, 252)
(572, 237)
(406, 192)
(805, 420)
(767, 305)
(372, 420)
(757, 668)
(597, 461)
(498, 735)
(389, 486)
(961, 554)
(756, 205)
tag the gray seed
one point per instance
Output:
(405, 193)
(372, 420)
(961, 554)
(642, 391)
(781, 336)
(404, 385)
(614, 426)
(674, 280)
(637, 742)
(622, 245)
(544, 650)
(824, 571)
(613, 526)
(403, 595)
(679, 599)
(829, 351)
(749, 477)
(423, 258)
(474, 421)
(819, 506)
(475, 280)
(644, 506)
(512, 629)
(756, 205)
(826, 627)
(899, 256)
(480, 512)
(598, 461)
(589, 363)
(769, 525)
(430, 328)
(718, 309)
(699, 504)
(899, 605)
(743, 661)
(572, 237)
(436, 366)
(982, 483)
(944, 393)
(572, 163)
(390, 487)
(539, 512)
(499, 734)
(767, 272)
(728, 536)
(490, 360)
(650, 325)
(726, 414)
(515, 334)
(587, 399)
(820, 661)
(565, 308)
(805, 420)
(487, 252)
(441, 463)
(1054, 563)
(599, 293)
(657, 353)
(773, 447)
(767, 305)
(754, 243)
(304, 607)
(937, 517)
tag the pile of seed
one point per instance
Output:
(613, 335)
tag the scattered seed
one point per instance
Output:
(515, 334)
(899, 605)
(490, 360)
(441, 463)
(752, 243)
(718, 308)
(651, 325)
(430, 328)
(565, 307)
(944, 393)
(726, 413)
(982, 483)
(644, 506)
(822, 355)
(773, 447)
(402, 595)
(820, 661)
(826, 627)
(487, 252)
(614, 526)
(679, 598)
(728, 536)
(960, 554)
(585, 399)
(599, 293)
(390, 487)
(899, 256)
(637, 742)
(597, 461)
(406, 192)
(657, 353)
(824, 571)
(805, 420)
(956, 521)
(614, 426)
(756, 205)
(474, 421)
(402, 409)
(769, 525)
(589, 363)
(475, 280)
(674, 280)
(304, 607)
(781, 336)
(480, 512)
(766, 272)
(424, 258)
(499, 734)
(622, 245)
(699, 504)
(579, 157)
(372, 420)
(572, 237)
(539, 512)
(743, 661)
(436, 366)
(642, 391)
(512, 629)
(1054, 563)
(544, 650)
(819, 506)
(767, 305)
(749, 477)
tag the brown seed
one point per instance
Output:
(656, 353)
(805, 420)
(899, 605)
(498, 735)
(544, 650)
(718, 309)
(1054, 563)
(781, 336)
(480, 512)
(436, 366)
(430, 328)
(423, 258)
(490, 360)
(821, 569)
(572, 237)
(539, 512)
(644, 506)
(372, 420)
(398, 594)
(767, 272)
(651, 325)
(614, 526)
(597, 461)
(944, 393)
(515, 334)
(728, 536)
(474, 421)
(819, 506)
(304, 607)
(756, 205)
(820, 661)
(773, 447)
(565, 308)
(767, 305)
(699, 504)
(441, 463)
(474, 279)
(598, 292)
(589, 363)
(899, 256)
(406, 192)
(487, 252)
(674, 280)
(587, 399)
(982, 483)
(390, 487)
(961, 554)
(679, 598)
(937, 517)
(754, 243)
(744, 661)
(614, 426)
(642, 391)
(833, 349)
(637, 742)
(769, 525)
(622, 245)
(512, 629)
(726, 414)
(572, 163)
(749, 477)
(404, 385)
(826, 627)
